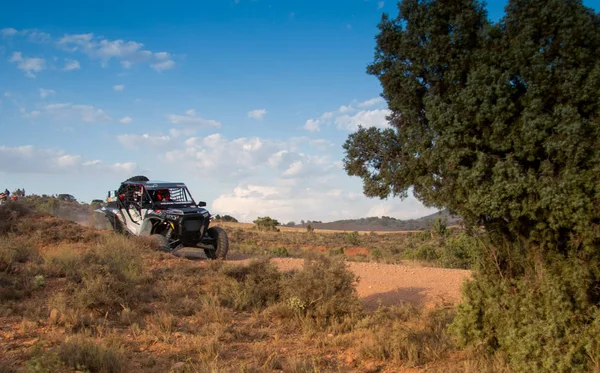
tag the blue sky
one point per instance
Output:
(247, 101)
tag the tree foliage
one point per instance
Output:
(499, 123)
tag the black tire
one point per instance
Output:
(161, 242)
(222, 245)
(138, 178)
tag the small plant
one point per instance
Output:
(376, 255)
(83, 354)
(79, 354)
(39, 281)
(280, 252)
(353, 238)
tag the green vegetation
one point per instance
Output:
(266, 223)
(437, 246)
(225, 218)
(498, 123)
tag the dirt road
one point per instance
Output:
(389, 284)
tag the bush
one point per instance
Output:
(11, 213)
(255, 286)
(460, 251)
(16, 249)
(323, 290)
(266, 224)
(353, 238)
(544, 320)
(409, 338)
(103, 278)
(280, 252)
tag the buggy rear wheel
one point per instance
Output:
(221, 245)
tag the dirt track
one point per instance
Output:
(394, 283)
(391, 284)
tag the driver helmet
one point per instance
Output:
(163, 195)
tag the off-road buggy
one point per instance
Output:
(166, 212)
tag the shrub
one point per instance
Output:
(460, 251)
(77, 353)
(323, 290)
(544, 320)
(409, 339)
(256, 286)
(281, 252)
(353, 238)
(439, 227)
(16, 249)
(105, 277)
(266, 224)
(10, 215)
(81, 353)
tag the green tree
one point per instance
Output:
(498, 123)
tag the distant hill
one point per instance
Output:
(385, 223)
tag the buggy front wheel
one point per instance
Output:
(221, 243)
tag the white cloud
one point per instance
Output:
(28, 159)
(175, 132)
(380, 4)
(191, 119)
(346, 117)
(312, 125)
(153, 141)
(257, 113)
(85, 113)
(9, 31)
(127, 53)
(322, 200)
(119, 87)
(220, 159)
(371, 102)
(37, 36)
(46, 92)
(126, 120)
(28, 64)
(163, 65)
(32, 114)
(321, 144)
(366, 118)
(71, 65)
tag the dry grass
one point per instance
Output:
(93, 301)
(251, 226)
(451, 248)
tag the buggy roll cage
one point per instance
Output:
(137, 194)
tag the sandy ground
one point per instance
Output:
(387, 284)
